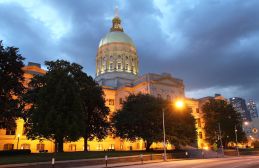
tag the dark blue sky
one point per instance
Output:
(213, 45)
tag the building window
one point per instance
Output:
(121, 147)
(10, 131)
(127, 66)
(99, 147)
(25, 146)
(111, 66)
(112, 147)
(197, 110)
(138, 146)
(40, 147)
(8, 146)
(199, 122)
(121, 101)
(119, 65)
(72, 147)
(111, 102)
(200, 135)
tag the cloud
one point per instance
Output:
(211, 45)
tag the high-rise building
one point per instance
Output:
(239, 105)
(251, 107)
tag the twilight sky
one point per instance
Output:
(213, 45)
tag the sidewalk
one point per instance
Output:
(126, 164)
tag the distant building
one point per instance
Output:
(251, 107)
(239, 105)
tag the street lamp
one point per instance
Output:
(179, 104)
(236, 141)
(18, 136)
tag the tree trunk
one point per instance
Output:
(148, 144)
(59, 145)
(85, 143)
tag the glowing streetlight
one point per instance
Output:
(246, 123)
(179, 104)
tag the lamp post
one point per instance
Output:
(222, 148)
(236, 141)
(179, 104)
(163, 110)
(18, 136)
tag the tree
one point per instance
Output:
(220, 112)
(141, 118)
(11, 86)
(95, 113)
(180, 126)
(55, 112)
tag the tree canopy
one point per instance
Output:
(94, 112)
(220, 112)
(66, 104)
(55, 111)
(11, 86)
(141, 118)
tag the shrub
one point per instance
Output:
(15, 152)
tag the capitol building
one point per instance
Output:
(117, 71)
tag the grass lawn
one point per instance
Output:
(42, 157)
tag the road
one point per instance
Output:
(233, 162)
(228, 162)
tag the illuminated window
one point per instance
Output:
(112, 146)
(200, 135)
(40, 147)
(10, 131)
(99, 147)
(8, 146)
(25, 146)
(138, 146)
(199, 122)
(72, 147)
(111, 101)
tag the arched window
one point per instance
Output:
(111, 66)
(119, 65)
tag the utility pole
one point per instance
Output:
(164, 133)
(222, 148)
